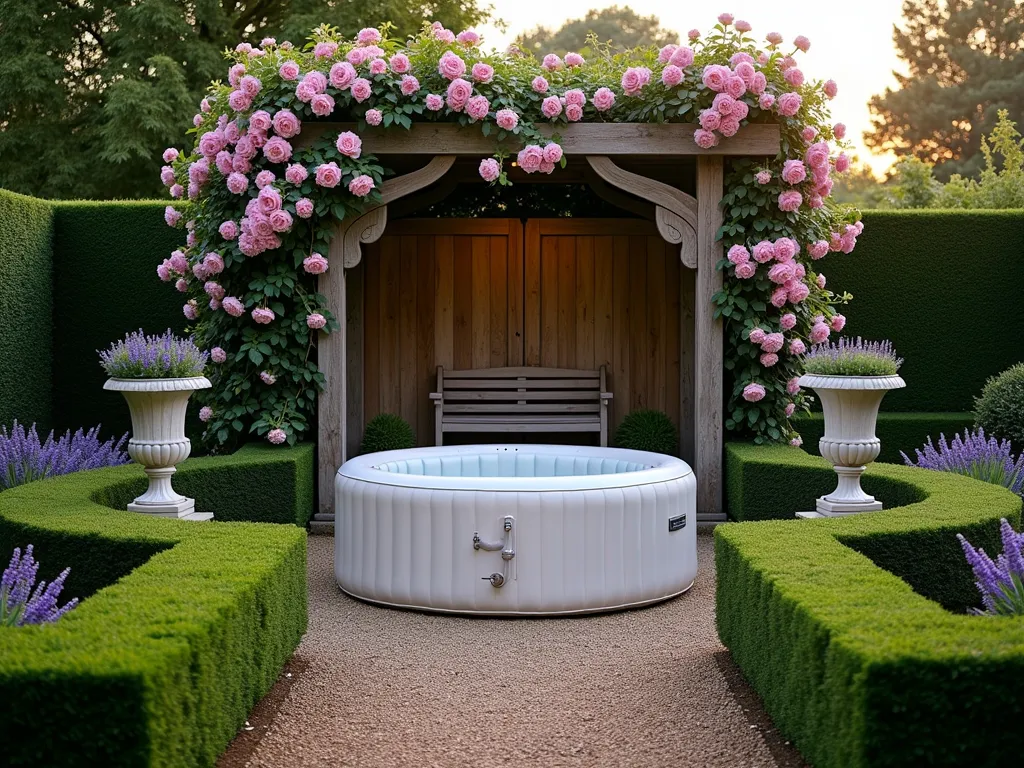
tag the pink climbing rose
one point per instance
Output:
(790, 200)
(373, 117)
(233, 306)
(328, 175)
(789, 104)
(838, 322)
(752, 393)
(277, 436)
(551, 107)
(434, 102)
(315, 264)
(316, 321)
(738, 254)
(603, 99)
(768, 359)
(218, 355)
(539, 84)
(361, 185)
(506, 119)
(573, 59)
(489, 169)
(304, 208)
(262, 315)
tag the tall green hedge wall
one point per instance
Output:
(940, 285)
(104, 268)
(26, 309)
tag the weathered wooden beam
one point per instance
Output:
(661, 139)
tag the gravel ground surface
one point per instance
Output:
(380, 687)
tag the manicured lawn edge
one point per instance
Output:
(831, 621)
(185, 628)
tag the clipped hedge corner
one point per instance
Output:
(845, 627)
(185, 626)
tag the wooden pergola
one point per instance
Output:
(690, 222)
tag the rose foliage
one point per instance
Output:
(260, 193)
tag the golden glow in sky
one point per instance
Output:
(851, 43)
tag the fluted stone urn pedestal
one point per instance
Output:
(158, 440)
(850, 404)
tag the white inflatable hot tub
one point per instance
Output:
(515, 529)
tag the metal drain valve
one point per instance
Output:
(496, 579)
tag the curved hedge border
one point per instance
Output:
(185, 628)
(839, 624)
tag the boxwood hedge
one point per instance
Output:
(853, 630)
(185, 626)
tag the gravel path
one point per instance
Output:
(382, 687)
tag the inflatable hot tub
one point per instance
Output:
(515, 529)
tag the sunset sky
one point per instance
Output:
(853, 47)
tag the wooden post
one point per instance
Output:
(708, 416)
(333, 417)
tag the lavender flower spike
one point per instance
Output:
(19, 604)
(974, 455)
(24, 457)
(1001, 583)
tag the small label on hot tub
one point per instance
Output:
(675, 523)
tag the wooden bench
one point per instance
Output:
(520, 400)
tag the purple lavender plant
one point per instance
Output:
(24, 458)
(19, 604)
(853, 358)
(1001, 583)
(138, 356)
(974, 455)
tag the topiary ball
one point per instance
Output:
(648, 430)
(1000, 409)
(387, 432)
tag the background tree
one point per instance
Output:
(966, 61)
(620, 26)
(90, 93)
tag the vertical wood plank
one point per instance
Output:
(516, 278)
(549, 301)
(657, 357)
(497, 302)
(638, 322)
(687, 369)
(671, 333)
(585, 305)
(532, 309)
(390, 302)
(604, 338)
(481, 312)
(407, 336)
(355, 366)
(426, 377)
(462, 329)
(566, 249)
(444, 303)
(709, 359)
(372, 317)
(620, 320)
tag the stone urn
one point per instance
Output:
(158, 440)
(850, 404)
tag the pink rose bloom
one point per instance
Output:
(785, 249)
(315, 264)
(269, 200)
(790, 200)
(167, 175)
(478, 107)
(262, 315)
(451, 65)
(214, 263)
(788, 321)
(768, 359)
(181, 285)
(409, 85)
(171, 216)
(763, 177)
(191, 309)
(325, 50)
(373, 117)
(666, 53)
(289, 71)
(725, 19)
(842, 163)
(444, 35)
(551, 107)
(176, 191)
(693, 34)
(304, 208)
(838, 323)
(277, 150)
(218, 355)
(758, 83)
(817, 155)
(735, 86)
(603, 99)
(858, 227)
(361, 89)
(225, 162)
(797, 441)
(716, 77)
(178, 262)
(468, 37)
(634, 79)
(228, 230)
(745, 70)
(245, 147)
(794, 77)
(790, 409)
(573, 113)
(170, 155)
(489, 169)
(267, 377)
(296, 173)
(378, 67)
(434, 102)
(280, 221)
(799, 270)
(743, 26)
(305, 91)
(286, 124)
(328, 175)
(779, 296)
(797, 347)
(819, 333)
(277, 436)
(357, 56)
(789, 104)
(539, 84)
(738, 254)
(740, 110)
(530, 158)
(839, 130)
(808, 133)
(729, 125)
(746, 270)
(681, 57)
(575, 97)
(507, 119)
(781, 272)
(213, 289)
(757, 336)
(831, 89)
(361, 185)
(322, 104)
(817, 249)
(237, 183)
(671, 76)
(705, 139)
(342, 74)
(233, 306)
(259, 121)
(573, 59)
(316, 321)
(349, 144)
(765, 101)
(239, 101)
(709, 119)
(551, 62)
(237, 70)
(797, 293)
(399, 63)
(802, 43)
(774, 38)
(773, 342)
(368, 36)
(552, 153)
(764, 252)
(753, 393)
(793, 172)
(459, 91)
(793, 385)
(483, 73)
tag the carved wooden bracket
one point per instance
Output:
(675, 211)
